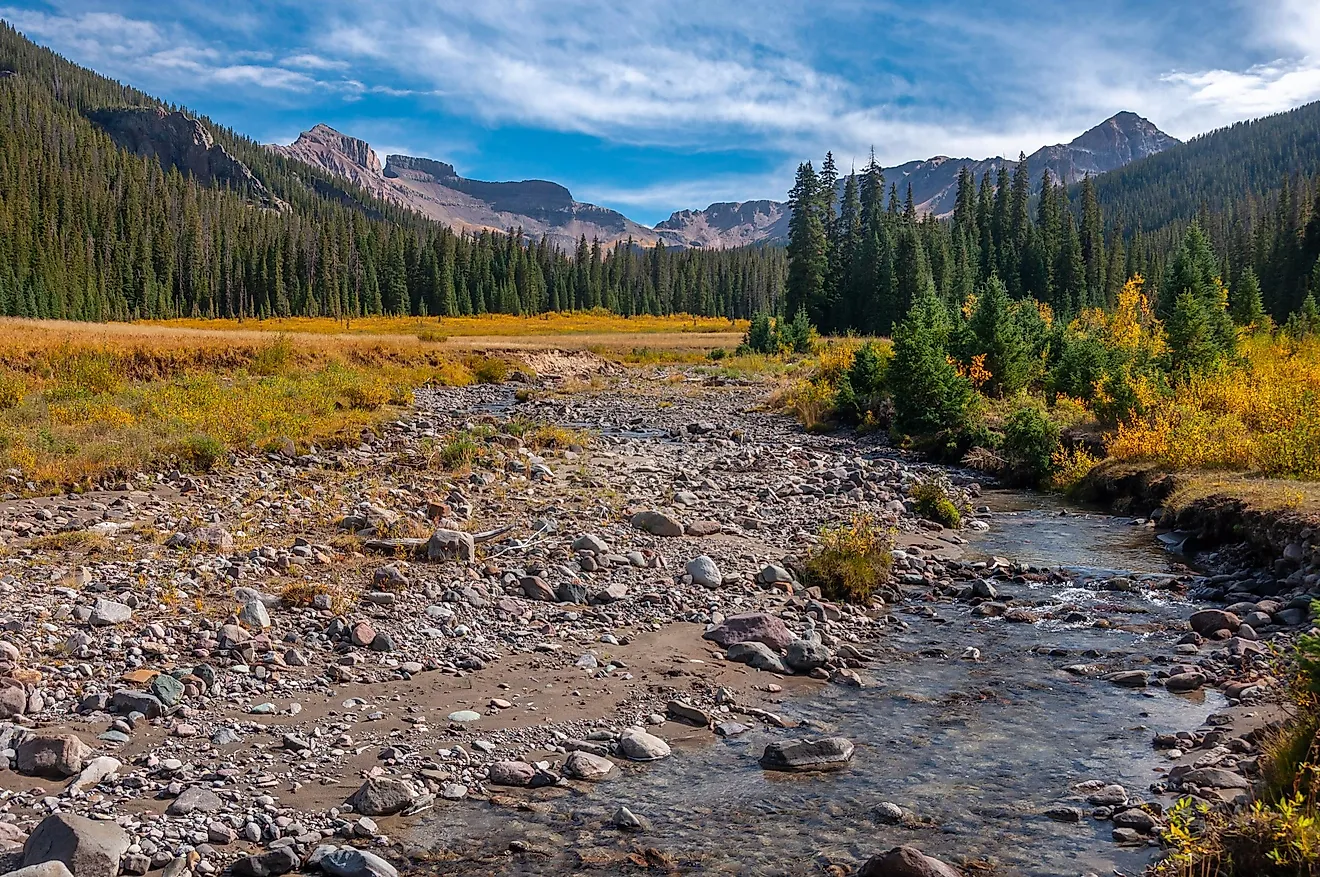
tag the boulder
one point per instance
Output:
(1214, 778)
(536, 588)
(760, 627)
(636, 744)
(1208, 622)
(195, 799)
(511, 773)
(906, 861)
(592, 543)
(87, 847)
(451, 545)
(106, 613)
(758, 656)
(1184, 682)
(704, 571)
(95, 771)
(13, 699)
(127, 701)
(58, 755)
(382, 796)
(271, 863)
(829, 753)
(803, 656)
(54, 868)
(166, 689)
(585, 766)
(352, 862)
(254, 615)
(656, 523)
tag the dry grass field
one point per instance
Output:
(81, 402)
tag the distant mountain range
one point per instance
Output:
(540, 207)
(434, 189)
(1114, 143)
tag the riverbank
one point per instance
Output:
(292, 663)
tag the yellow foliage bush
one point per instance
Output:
(1262, 417)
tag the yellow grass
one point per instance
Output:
(81, 403)
(486, 325)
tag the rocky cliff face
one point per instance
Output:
(1113, 143)
(434, 188)
(179, 142)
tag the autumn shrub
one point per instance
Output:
(273, 357)
(1262, 416)
(81, 373)
(935, 500)
(199, 452)
(1069, 466)
(851, 562)
(460, 451)
(490, 370)
(12, 389)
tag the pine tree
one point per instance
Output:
(807, 247)
(1247, 308)
(997, 334)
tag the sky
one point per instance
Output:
(654, 107)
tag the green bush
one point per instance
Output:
(199, 452)
(851, 562)
(935, 501)
(863, 386)
(490, 370)
(798, 336)
(1030, 441)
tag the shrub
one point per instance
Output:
(861, 388)
(1030, 442)
(935, 501)
(273, 358)
(851, 562)
(490, 370)
(1070, 466)
(460, 452)
(431, 336)
(199, 452)
(80, 374)
(11, 390)
(367, 395)
(798, 336)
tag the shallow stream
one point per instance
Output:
(974, 751)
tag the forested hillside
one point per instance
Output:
(90, 231)
(860, 261)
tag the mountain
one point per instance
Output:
(728, 224)
(1114, 143)
(434, 189)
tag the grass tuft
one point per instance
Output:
(852, 562)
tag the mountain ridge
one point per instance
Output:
(1114, 143)
(436, 190)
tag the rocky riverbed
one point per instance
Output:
(601, 657)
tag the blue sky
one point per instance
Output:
(654, 107)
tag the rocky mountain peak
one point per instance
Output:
(180, 142)
(422, 169)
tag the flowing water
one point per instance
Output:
(974, 751)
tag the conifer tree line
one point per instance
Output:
(91, 232)
(860, 254)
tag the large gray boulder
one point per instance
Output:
(704, 571)
(1208, 622)
(758, 656)
(760, 627)
(87, 847)
(271, 863)
(581, 765)
(446, 544)
(803, 655)
(382, 796)
(636, 744)
(829, 753)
